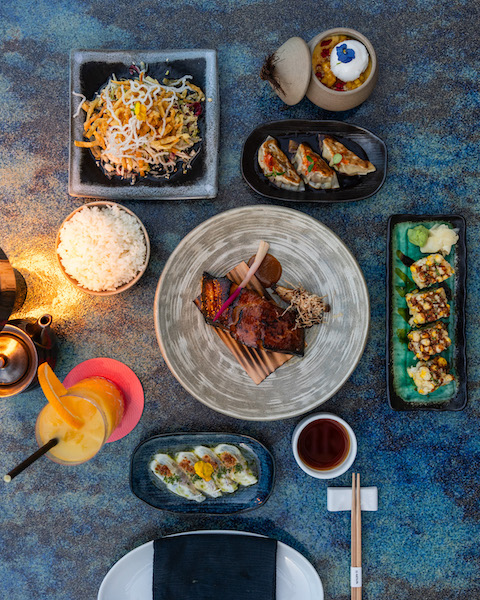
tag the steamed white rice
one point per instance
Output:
(102, 247)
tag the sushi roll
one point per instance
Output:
(186, 461)
(220, 476)
(167, 470)
(235, 464)
(426, 307)
(430, 270)
(428, 376)
(429, 341)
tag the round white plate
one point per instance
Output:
(311, 255)
(132, 576)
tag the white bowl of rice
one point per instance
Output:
(103, 248)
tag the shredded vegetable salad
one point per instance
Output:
(140, 126)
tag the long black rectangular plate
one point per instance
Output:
(458, 360)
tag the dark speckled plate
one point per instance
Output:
(402, 393)
(90, 70)
(361, 141)
(152, 491)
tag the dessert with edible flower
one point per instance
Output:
(341, 63)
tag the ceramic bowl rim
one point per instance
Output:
(331, 473)
(124, 286)
(358, 37)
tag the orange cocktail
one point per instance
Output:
(93, 409)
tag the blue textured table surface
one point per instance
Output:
(63, 528)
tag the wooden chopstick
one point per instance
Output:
(356, 536)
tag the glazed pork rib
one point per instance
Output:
(251, 319)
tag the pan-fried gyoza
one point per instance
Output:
(344, 160)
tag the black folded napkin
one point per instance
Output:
(205, 566)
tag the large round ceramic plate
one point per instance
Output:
(310, 254)
(131, 577)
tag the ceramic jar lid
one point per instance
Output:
(292, 69)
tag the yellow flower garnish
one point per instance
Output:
(204, 470)
(140, 111)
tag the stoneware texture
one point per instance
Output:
(90, 70)
(62, 529)
(200, 360)
(323, 96)
(124, 287)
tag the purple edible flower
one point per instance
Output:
(344, 54)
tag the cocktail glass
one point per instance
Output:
(81, 418)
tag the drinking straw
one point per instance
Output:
(31, 459)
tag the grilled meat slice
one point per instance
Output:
(251, 319)
(215, 291)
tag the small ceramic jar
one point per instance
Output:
(331, 99)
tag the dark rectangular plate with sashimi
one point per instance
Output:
(362, 142)
(149, 489)
(402, 392)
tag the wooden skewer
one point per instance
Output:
(356, 538)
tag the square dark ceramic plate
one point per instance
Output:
(90, 70)
(361, 141)
(402, 393)
(151, 490)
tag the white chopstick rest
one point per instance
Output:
(356, 577)
(340, 498)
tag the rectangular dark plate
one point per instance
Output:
(90, 70)
(152, 491)
(402, 393)
(361, 141)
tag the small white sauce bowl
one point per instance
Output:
(328, 473)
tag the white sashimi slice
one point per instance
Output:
(167, 470)
(186, 461)
(236, 464)
(219, 471)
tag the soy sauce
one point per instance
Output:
(323, 444)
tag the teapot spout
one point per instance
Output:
(41, 332)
